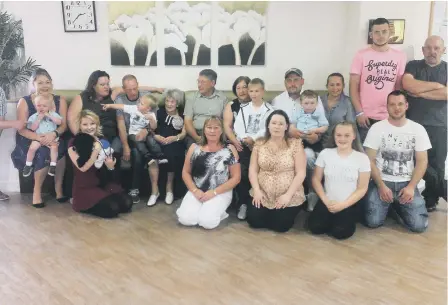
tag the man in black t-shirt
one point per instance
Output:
(426, 83)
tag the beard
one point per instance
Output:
(380, 45)
(397, 117)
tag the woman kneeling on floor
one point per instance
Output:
(347, 172)
(276, 172)
(211, 171)
(94, 191)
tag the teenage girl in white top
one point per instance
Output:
(346, 173)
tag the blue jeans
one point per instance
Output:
(413, 214)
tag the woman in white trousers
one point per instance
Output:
(210, 172)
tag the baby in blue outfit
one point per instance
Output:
(309, 118)
(43, 121)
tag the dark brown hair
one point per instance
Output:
(93, 80)
(336, 74)
(267, 135)
(239, 80)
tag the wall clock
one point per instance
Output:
(79, 16)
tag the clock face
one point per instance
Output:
(79, 16)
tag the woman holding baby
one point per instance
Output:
(26, 107)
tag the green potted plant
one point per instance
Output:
(15, 70)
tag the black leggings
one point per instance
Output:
(341, 225)
(244, 186)
(278, 220)
(111, 206)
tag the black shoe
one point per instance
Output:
(431, 207)
(27, 170)
(39, 205)
(62, 199)
(52, 170)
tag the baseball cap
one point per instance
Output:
(295, 71)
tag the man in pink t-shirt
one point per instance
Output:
(376, 71)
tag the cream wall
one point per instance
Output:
(317, 37)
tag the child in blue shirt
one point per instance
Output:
(43, 121)
(310, 119)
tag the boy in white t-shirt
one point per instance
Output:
(250, 125)
(392, 146)
(141, 117)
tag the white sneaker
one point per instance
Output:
(162, 161)
(169, 198)
(152, 200)
(242, 212)
(312, 199)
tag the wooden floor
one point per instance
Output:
(55, 256)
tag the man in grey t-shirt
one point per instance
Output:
(129, 95)
(425, 81)
(204, 103)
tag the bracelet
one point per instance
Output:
(178, 138)
(194, 191)
(214, 192)
(57, 133)
(359, 113)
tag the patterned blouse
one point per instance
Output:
(211, 169)
(276, 172)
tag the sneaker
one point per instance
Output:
(52, 170)
(134, 196)
(3, 196)
(242, 212)
(169, 198)
(27, 170)
(162, 161)
(312, 199)
(431, 207)
(152, 200)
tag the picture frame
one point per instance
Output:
(397, 27)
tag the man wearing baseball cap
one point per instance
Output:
(289, 102)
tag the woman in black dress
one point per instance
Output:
(170, 134)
